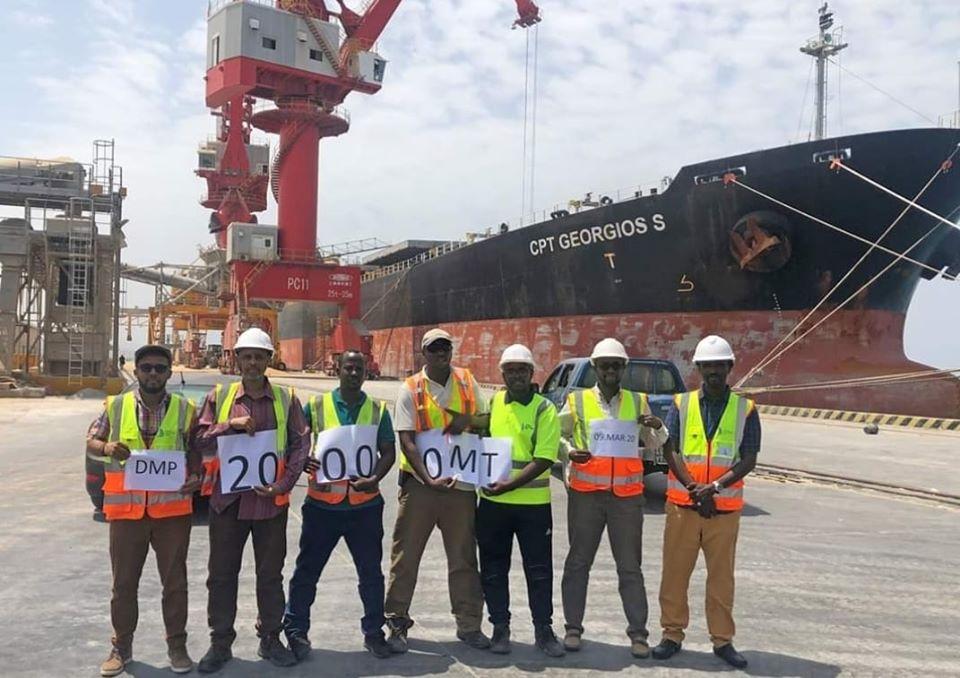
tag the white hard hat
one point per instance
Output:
(254, 338)
(712, 349)
(609, 348)
(517, 353)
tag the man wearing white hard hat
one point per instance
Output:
(519, 506)
(429, 400)
(606, 492)
(714, 442)
(246, 407)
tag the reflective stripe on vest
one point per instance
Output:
(223, 402)
(122, 504)
(505, 424)
(624, 477)
(708, 459)
(323, 416)
(430, 415)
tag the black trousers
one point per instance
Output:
(533, 526)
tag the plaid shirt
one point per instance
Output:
(711, 411)
(148, 421)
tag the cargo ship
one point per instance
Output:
(805, 257)
(706, 256)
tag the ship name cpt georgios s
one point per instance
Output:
(591, 235)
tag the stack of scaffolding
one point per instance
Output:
(59, 270)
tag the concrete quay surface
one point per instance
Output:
(830, 581)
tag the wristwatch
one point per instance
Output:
(717, 486)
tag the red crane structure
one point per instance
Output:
(300, 59)
(528, 14)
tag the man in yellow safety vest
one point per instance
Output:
(606, 492)
(714, 442)
(147, 418)
(520, 505)
(350, 508)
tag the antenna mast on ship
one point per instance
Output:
(821, 48)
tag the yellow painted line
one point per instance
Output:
(908, 421)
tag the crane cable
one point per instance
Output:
(529, 121)
(878, 380)
(774, 353)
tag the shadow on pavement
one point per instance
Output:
(769, 664)
(526, 657)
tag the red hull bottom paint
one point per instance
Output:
(852, 344)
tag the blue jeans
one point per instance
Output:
(362, 529)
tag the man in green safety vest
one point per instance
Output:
(351, 509)
(519, 506)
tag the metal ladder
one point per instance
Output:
(79, 267)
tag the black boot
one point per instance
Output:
(666, 649)
(729, 654)
(547, 641)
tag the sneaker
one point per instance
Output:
(115, 663)
(475, 639)
(571, 641)
(274, 651)
(500, 643)
(180, 661)
(377, 645)
(666, 649)
(299, 645)
(547, 641)
(214, 659)
(398, 635)
(639, 648)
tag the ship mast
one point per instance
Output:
(821, 48)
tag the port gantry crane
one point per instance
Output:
(300, 59)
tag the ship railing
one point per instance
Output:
(399, 266)
(268, 105)
(950, 120)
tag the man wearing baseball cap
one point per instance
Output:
(429, 400)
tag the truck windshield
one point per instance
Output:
(643, 377)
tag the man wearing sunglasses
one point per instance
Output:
(147, 418)
(428, 400)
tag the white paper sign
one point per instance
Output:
(346, 452)
(467, 457)
(155, 470)
(614, 438)
(247, 461)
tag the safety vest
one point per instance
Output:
(430, 415)
(323, 417)
(520, 425)
(122, 504)
(223, 400)
(708, 459)
(623, 476)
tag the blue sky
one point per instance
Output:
(632, 89)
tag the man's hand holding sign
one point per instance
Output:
(615, 438)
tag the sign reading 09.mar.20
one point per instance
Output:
(346, 452)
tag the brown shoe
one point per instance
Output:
(115, 663)
(639, 648)
(571, 641)
(180, 661)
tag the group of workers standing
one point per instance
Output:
(710, 439)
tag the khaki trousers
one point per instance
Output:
(588, 514)
(130, 540)
(454, 512)
(685, 534)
